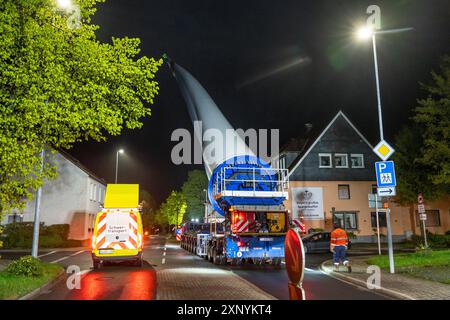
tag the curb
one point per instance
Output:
(342, 277)
(33, 294)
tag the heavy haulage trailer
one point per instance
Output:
(248, 220)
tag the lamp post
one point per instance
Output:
(117, 162)
(365, 34)
(64, 5)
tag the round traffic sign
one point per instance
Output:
(420, 198)
(294, 256)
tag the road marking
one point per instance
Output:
(47, 254)
(363, 285)
(164, 254)
(67, 257)
(163, 261)
(307, 269)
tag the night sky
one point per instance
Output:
(268, 64)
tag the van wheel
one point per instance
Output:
(139, 263)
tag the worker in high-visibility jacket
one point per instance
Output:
(338, 245)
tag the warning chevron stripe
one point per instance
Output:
(133, 241)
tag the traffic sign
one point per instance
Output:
(295, 264)
(421, 208)
(294, 256)
(383, 150)
(385, 174)
(420, 198)
(423, 217)
(386, 192)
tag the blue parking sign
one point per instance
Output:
(385, 174)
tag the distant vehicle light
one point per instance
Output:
(146, 233)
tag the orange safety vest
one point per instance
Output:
(339, 237)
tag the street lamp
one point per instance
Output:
(366, 33)
(117, 161)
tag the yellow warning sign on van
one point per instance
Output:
(122, 196)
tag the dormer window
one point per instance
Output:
(340, 160)
(357, 160)
(325, 160)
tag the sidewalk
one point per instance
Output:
(398, 286)
(206, 284)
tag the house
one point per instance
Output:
(331, 179)
(73, 197)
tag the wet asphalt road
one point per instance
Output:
(117, 282)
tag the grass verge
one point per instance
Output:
(13, 287)
(430, 265)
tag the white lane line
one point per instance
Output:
(307, 269)
(164, 254)
(163, 261)
(67, 257)
(47, 254)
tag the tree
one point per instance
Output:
(433, 116)
(59, 85)
(173, 208)
(192, 190)
(148, 209)
(423, 147)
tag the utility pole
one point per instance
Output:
(378, 224)
(390, 245)
(37, 213)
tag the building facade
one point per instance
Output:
(332, 179)
(73, 198)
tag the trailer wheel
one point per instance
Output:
(215, 257)
(210, 254)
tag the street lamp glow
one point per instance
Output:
(117, 161)
(364, 33)
(64, 4)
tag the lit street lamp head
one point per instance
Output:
(64, 4)
(365, 33)
(121, 151)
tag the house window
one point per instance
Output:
(347, 220)
(325, 160)
(381, 219)
(91, 195)
(340, 160)
(433, 218)
(374, 189)
(13, 218)
(343, 191)
(357, 161)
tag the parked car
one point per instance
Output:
(318, 242)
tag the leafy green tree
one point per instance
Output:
(173, 208)
(60, 85)
(433, 117)
(192, 190)
(423, 147)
